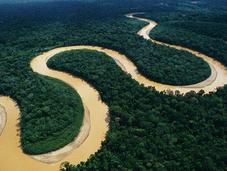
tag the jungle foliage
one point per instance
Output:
(216, 48)
(150, 130)
(159, 63)
(204, 31)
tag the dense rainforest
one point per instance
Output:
(195, 29)
(119, 33)
(30, 29)
(148, 130)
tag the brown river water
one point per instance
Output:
(95, 123)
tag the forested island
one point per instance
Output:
(148, 130)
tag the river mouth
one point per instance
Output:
(98, 111)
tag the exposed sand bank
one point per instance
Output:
(2, 118)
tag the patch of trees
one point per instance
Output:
(214, 47)
(150, 130)
(52, 123)
(188, 15)
(51, 112)
(201, 30)
(210, 29)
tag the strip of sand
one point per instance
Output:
(2, 118)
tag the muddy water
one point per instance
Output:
(10, 152)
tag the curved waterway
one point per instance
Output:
(218, 77)
(95, 123)
(88, 141)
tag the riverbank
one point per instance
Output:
(2, 119)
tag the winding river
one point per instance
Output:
(95, 124)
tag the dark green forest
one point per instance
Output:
(148, 130)
(119, 33)
(30, 29)
(212, 47)
(204, 31)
